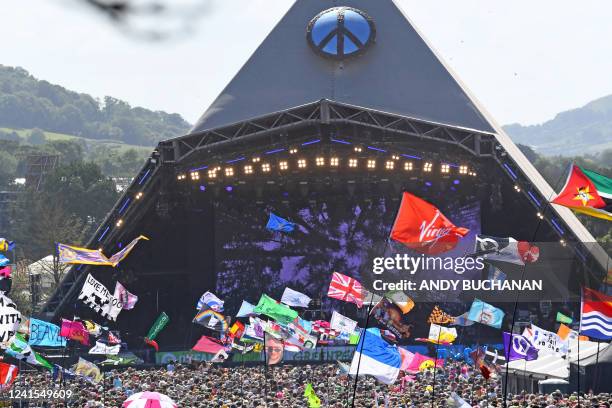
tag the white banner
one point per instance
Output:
(544, 340)
(10, 318)
(342, 323)
(95, 295)
(101, 348)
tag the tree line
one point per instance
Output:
(26, 102)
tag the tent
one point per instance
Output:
(595, 371)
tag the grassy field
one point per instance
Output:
(89, 143)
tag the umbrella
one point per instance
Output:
(149, 400)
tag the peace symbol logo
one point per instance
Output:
(340, 32)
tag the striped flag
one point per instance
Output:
(596, 315)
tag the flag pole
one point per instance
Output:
(362, 341)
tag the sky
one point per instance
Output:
(524, 60)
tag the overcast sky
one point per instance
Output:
(525, 60)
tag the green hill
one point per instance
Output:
(585, 130)
(26, 103)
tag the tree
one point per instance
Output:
(37, 137)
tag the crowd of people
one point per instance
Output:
(204, 385)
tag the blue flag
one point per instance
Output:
(45, 334)
(485, 313)
(4, 260)
(276, 223)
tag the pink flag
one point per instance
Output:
(418, 359)
(74, 331)
(406, 357)
(126, 298)
(208, 345)
(5, 272)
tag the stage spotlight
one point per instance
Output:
(562, 242)
(229, 189)
(256, 159)
(138, 196)
(358, 149)
(473, 173)
(248, 169)
(181, 177)
(195, 175)
(445, 168)
(283, 165)
(119, 223)
(229, 171)
(408, 166)
(353, 163)
(212, 173)
(517, 188)
(371, 164)
(427, 167)
(320, 161)
(463, 169)
(302, 163)
(293, 150)
(334, 162)
(395, 157)
(390, 165)
(540, 215)
(265, 167)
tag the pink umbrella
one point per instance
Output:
(149, 400)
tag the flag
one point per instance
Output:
(369, 298)
(313, 400)
(518, 347)
(587, 192)
(92, 327)
(276, 223)
(101, 348)
(345, 288)
(45, 334)
(506, 250)
(8, 373)
(274, 350)
(4, 260)
(208, 345)
(5, 272)
(545, 341)
(420, 362)
(18, 348)
(10, 318)
(236, 331)
(438, 316)
(561, 318)
(74, 331)
(88, 370)
(125, 358)
(211, 300)
(127, 299)
(596, 315)
(113, 338)
(389, 315)
(342, 323)
(463, 320)
(441, 335)
(459, 402)
(6, 245)
(485, 313)
(270, 307)
(422, 227)
(406, 357)
(161, 322)
(496, 274)
(246, 310)
(211, 319)
(564, 332)
(294, 298)
(374, 356)
(401, 300)
(75, 255)
(96, 296)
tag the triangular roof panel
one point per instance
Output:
(398, 74)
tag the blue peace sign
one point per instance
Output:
(340, 32)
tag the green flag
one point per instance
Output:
(158, 326)
(270, 307)
(313, 400)
(20, 349)
(354, 338)
(561, 318)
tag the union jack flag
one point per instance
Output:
(345, 288)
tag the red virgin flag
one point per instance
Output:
(422, 227)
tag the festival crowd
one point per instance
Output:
(204, 385)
